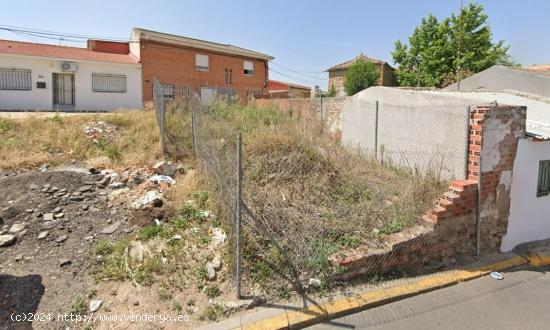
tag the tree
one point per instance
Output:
(440, 51)
(331, 91)
(361, 75)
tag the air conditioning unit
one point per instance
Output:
(68, 66)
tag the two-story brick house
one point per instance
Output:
(184, 65)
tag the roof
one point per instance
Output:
(347, 64)
(539, 67)
(290, 84)
(12, 47)
(197, 43)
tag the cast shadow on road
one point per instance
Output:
(19, 296)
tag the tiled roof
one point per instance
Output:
(346, 64)
(197, 43)
(539, 67)
(290, 84)
(63, 52)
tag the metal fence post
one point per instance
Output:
(322, 123)
(238, 215)
(478, 210)
(376, 131)
(162, 121)
(194, 132)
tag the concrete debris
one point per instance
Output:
(95, 305)
(162, 179)
(165, 168)
(111, 228)
(17, 228)
(43, 234)
(218, 236)
(151, 197)
(210, 271)
(64, 262)
(315, 283)
(99, 131)
(7, 240)
(231, 307)
(216, 263)
(61, 239)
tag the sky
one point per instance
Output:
(305, 37)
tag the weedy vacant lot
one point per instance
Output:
(311, 196)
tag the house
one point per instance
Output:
(184, 65)
(281, 89)
(102, 77)
(337, 73)
(531, 80)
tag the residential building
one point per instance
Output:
(185, 65)
(280, 89)
(531, 80)
(102, 77)
(337, 73)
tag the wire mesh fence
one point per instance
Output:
(302, 210)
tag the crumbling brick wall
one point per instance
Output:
(449, 229)
(306, 107)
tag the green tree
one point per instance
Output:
(361, 75)
(439, 51)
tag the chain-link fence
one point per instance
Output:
(302, 210)
(424, 138)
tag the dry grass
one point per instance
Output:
(313, 196)
(30, 142)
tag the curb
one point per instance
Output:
(319, 313)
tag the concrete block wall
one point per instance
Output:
(449, 229)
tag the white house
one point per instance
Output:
(102, 77)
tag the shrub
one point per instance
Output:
(361, 75)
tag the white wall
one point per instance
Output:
(85, 98)
(529, 218)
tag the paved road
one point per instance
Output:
(520, 301)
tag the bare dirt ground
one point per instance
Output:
(55, 267)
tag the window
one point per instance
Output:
(248, 68)
(109, 83)
(201, 62)
(228, 75)
(167, 91)
(15, 79)
(543, 187)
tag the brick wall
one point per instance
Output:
(176, 65)
(305, 107)
(448, 230)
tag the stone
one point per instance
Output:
(33, 186)
(210, 271)
(151, 197)
(315, 282)
(59, 215)
(116, 185)
(61, 239)
(165, 168)
(216, 263)
(94, 305)
(17, 228)
(76, 198)
(218, 236)
(49, 225)
(43, 234)
(111, 228)
(85, 207)
(57, 210)
(231, 307)
(7, 240)
(18, 257)
(64, 262)
(85, 188)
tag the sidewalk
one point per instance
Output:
(309, 311)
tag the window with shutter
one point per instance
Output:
(201, 62)
(15, 79)
(248, 68)
(109, 83)
(543, 187)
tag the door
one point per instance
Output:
(207, 94)
(63, 89)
